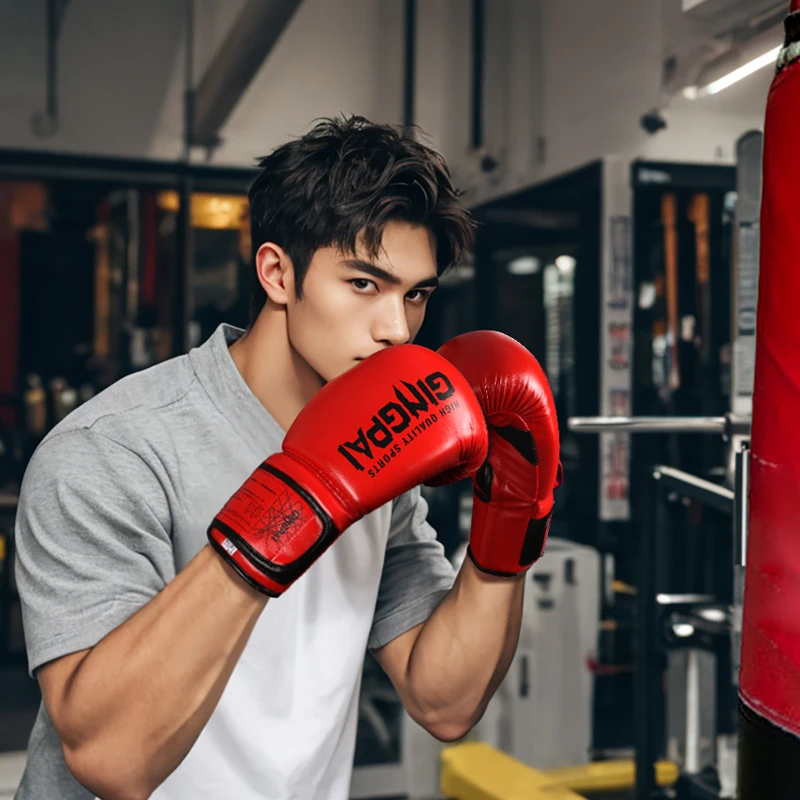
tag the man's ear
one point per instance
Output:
(275, 273)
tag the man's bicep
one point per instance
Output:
(394, 658)
(91, 543)
(55, 677)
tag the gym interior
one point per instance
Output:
(612, 155)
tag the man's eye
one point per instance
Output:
(420, 296)
(362, 283)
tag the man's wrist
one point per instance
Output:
(491, 577)
(232, 585)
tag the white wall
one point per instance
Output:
(566, 82)
(115, 58)
(602, 70)
(336, 56)
(212, 22)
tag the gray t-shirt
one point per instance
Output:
(117, 500)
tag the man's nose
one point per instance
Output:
(391, 327)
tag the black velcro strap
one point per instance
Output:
(535, 538)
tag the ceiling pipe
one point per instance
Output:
(711, 72)
(409, 66)
(251, 39)
(46, 123)
(487, 162)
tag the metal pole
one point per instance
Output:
(740, 505)
(705, 492)
(184, 255)
(648, 672)
(647, 424)
(409, 65)
(740, 512)
(693, 703)
(477, 73)
(729, 426)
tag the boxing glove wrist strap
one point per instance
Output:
(271, 530)
(507, 554)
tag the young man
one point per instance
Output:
(152, 532)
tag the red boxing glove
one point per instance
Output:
(513, 489)
(392, 422)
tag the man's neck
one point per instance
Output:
(273, 370)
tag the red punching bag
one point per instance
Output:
(769, 687)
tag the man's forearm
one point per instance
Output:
(464, 650)
(142, 696)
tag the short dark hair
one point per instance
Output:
(349, 175)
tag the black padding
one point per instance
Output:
(769, 759)
(521, 440)
(483, 482)
(534, 540)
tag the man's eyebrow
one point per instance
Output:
(382, 274)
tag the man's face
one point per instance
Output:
(354, 305)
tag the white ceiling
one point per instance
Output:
(121, 71)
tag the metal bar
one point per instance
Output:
(478, 13)
(409, 65)
(182, 300)
(647, 424)
(710, 494)
(693, 702)
(28, 164)
(647, 676)
(664, 599)
(741, 506)
(183, 270)
(188, 77)
(52, 60)
(729, 425)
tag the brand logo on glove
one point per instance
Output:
(395, 418)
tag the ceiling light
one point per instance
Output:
(566, 264)
(461, 273)
(525, 265)
(756, 64)
(767, 59)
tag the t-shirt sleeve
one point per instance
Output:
(416, 574)
(92, 542)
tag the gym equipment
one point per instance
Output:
(548, 679)
(728, 426)
(689, 615)
(476, 771)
